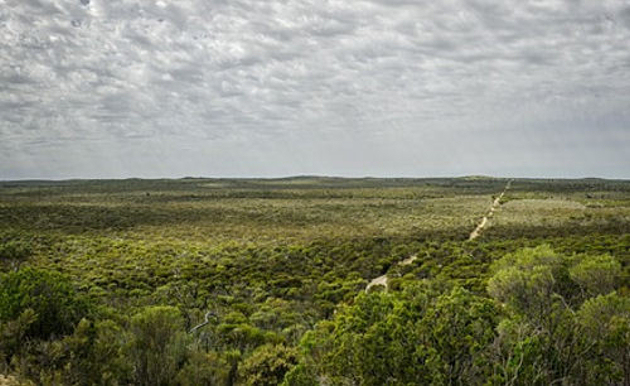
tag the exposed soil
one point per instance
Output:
(382, 280)
(484, 221)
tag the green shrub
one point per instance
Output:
(15, 250)
(51, 295)
(268, 365)
(158, 345)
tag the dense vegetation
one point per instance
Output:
(262, 282)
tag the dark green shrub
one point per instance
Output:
(58, 308)
(158, 345)
(15, 250)
(268, 365)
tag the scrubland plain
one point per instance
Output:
(262, 282)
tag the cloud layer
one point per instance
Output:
(95, 88)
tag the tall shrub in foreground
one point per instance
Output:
(158, 345)
(50, 295)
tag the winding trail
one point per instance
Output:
(382, 280)
(497, 202)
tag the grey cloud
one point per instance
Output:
(249, 78)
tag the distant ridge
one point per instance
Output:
(478, 177)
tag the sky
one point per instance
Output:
(253, 88)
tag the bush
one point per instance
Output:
(51, 296)
(596, 275)
(419, 336)
(15, 250)
(268, 365)
(555, 330)
(158, 346)
(204, 369)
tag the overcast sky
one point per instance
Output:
(143, 88)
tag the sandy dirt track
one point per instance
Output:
(382, 280)
(484, 221)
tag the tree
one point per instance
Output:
(158, 345)
(15, 252)
(57, 306)
(92, 355)
(203, 368)
(552, 335)
(604, 322)
(526, 280)
(13, 336)
(267, 365)
(596, 275)
(458, 329)
(418, 336)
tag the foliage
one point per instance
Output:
(14, 251)
(103, 281)
(417, 337)
(267, 365)
(596, 274)
(556, 332)
(158, 345)
(51, 296)
(204, 368)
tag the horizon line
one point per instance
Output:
(312, 176)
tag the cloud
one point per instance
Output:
(83, 81)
